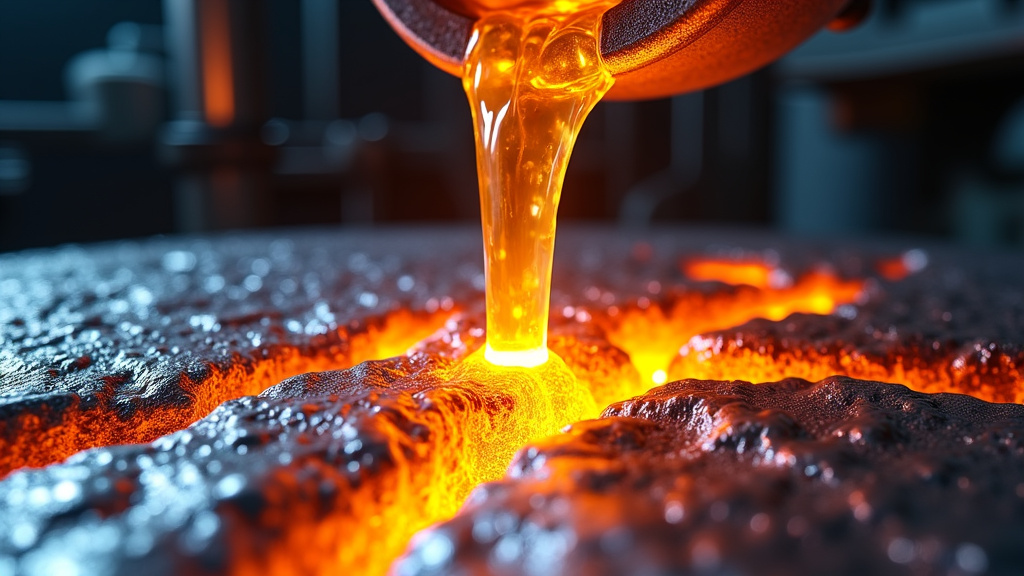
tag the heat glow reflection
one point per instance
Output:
(653, 336)
(39, 444)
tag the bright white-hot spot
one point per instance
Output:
(520, 358)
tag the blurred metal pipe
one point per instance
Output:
(321, 62)
(686, 162)
(182, 46)
(217, 50)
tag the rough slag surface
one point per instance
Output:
(139, 338)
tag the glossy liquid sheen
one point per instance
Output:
(532, 75)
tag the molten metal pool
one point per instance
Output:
(308, 403)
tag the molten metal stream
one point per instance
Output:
(532, 75)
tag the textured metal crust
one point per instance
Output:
(855, 478)
(841, 477)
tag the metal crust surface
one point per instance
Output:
(122, 346)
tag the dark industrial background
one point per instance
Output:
(912, 123)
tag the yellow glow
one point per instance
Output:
(659, 377)
(822, 304)
(479, 415)
(522, 358)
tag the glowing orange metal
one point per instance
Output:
(80, 429)
(218, 81)
(654, 48)
(754, 274)
(652, 336)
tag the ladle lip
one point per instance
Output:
(654, 48)
(440, 29)
(437, 33)
(638, 33)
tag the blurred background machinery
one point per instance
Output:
(135, 117)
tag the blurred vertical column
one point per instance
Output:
(321, 94)
(321, 62)
(686, 163)
(217, 52)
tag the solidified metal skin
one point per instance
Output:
(325, 473)
(702, 477)
(955, 324)
(121, 343)
(126, 342)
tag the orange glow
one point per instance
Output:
(475, 416)
(993, 376)
(532, 74)
(899, 267)
(754, 274)
(39, 443)
(892, 269)
(481, 414)
(652, 336)
(218, 82)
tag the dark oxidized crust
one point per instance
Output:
(234, 493)
(700, 477)
(955, 325)
(126, 342)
